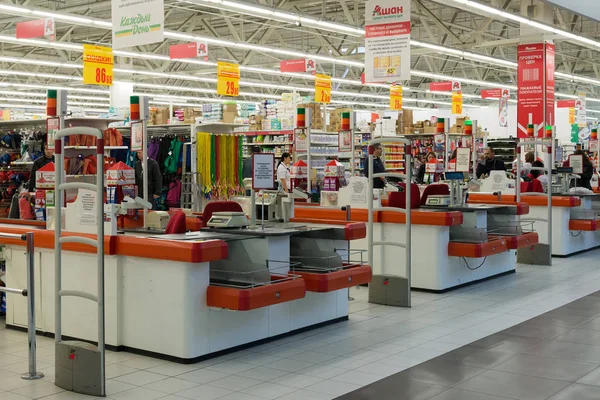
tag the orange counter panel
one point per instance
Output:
(521, 241)
(257, 297)
(336, 280)
(170, 250)
(587, 225)
(557, 201)
(419, 217)
(477, 250)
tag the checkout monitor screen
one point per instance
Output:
(454, 176)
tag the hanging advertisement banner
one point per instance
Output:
(572, 116)
(396, 97)
(565, 104)
(137, 136)
(188, 50)
(299, 65)
(39, 28)
(228, 79)
(52, 126)
(535, 87)
(503, 108)
(457, 104)
(580, 108)
(322, 88)
(300, 141)
(136, 23)
(387, 40)
(491, 93)
(97, 65)
(440, 86)
(345, 141)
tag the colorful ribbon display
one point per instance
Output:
(219, 164)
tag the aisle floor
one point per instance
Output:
(376, 342)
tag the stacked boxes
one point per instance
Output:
(159, 116)
(317, 114)
(335, 119)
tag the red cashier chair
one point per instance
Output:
(176, 223)
(398, 199)
(434, 190)
(218, 206)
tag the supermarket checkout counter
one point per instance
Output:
(183, 288)
(451, 245)
(575, 223)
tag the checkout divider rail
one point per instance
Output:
(407, 211)
(549, 143)
(31, 374)
(98, 242)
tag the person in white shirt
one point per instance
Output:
(526, 166)
(283, 172)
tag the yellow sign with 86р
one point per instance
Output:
(98, 64)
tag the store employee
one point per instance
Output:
(378, 167)
(283, 172)
(489, 163)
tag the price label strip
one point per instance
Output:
(322, 88)
(97, 65)
(228, 79)
(396, 97)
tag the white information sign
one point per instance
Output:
(137, 22)
(137, 136)
(387, 40)
(580, 109)
(576, 162)
(263, 171)
(463, 159)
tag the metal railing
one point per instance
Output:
(30, 294)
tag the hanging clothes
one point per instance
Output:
(173, 156)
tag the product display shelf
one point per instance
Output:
(276, 142)
(505, 149)
(361, 142)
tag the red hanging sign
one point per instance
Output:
(565, 104)
(34, 29)
(300, 65)
(440, 86)
(491, 93)
(188, 50)
(535, 87)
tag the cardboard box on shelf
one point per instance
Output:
(229, 113)
(419, 125)
(426, 123)
(159, 116)
(407, 117)
(429, 129)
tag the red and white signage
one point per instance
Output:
(440, 86)
(38, 28)
(565, 103)
(387, 40)
(300, 65)
(535, 87)
(491, 93)
(188, 50)
(581, 110)
(503, 108)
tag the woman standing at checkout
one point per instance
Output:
(283, 172)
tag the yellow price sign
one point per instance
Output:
(228, 79)
(396, 97)
(457, 103)
(98, 64)
(322, 88)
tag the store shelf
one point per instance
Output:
(24, 122)
(219, 127)
(392, 154)
(94, 147)
(269, 144)
(267, 132)
(22, 163)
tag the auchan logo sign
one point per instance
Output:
(387, 12)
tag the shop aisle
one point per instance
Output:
(377, 342)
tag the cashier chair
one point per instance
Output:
(177, 224)
(533, 186)
(398, 199)
(219, 206)
(440, 189)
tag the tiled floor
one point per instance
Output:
(555, 356)
(375, 343)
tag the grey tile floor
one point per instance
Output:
(375, 343)
(555, 356)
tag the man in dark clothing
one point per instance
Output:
(378, 167)
(154, 179)
(489, 163)
(247, 166)
(47, 158)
